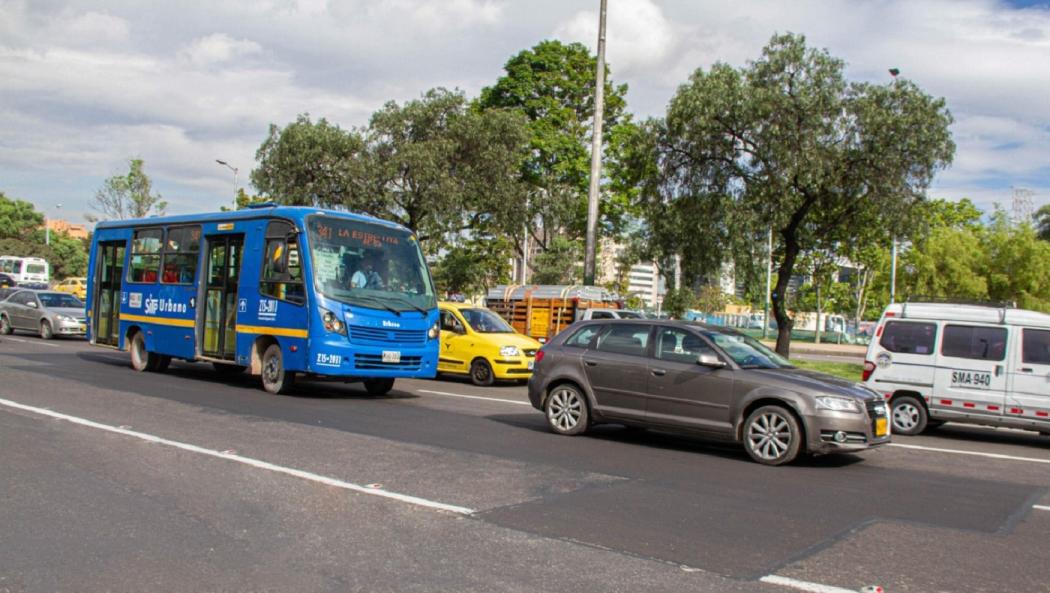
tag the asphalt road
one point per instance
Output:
(187, 481)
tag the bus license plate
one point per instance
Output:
(880, 427)
(971, 379)
(391, 356)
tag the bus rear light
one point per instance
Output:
(869, 368)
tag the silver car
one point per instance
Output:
(46, 313)
(698, 378)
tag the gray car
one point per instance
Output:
(697, 378)
(46, 313)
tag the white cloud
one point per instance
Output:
(638, 35)
(219, 48)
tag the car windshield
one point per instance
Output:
(748, 352)
(59, 300)
(484, 321)
(368, 265)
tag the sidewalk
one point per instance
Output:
(855, 350)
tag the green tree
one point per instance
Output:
(473, 266)
(552, 84)
(1042, 218)
(710, 299)
(18, 219)
(243, 200)
(66, 256)
(128, 196)
(786, 143)
(677, 301)
(1018, 264)
(559, 263)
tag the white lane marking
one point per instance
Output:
(974, 453)
(1040, 507)
(21, 341)
(490, 399)
(228, 455)
(803, 585)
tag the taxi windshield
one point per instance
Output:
(368, 265)
(484, 321)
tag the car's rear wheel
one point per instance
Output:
(275, 379)
(566, 410)
(481, 373)
(772, 435)
(909, 415)
(5, 326)
(378, 386)
(46, 331)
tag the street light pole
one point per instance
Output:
(596, 155)
(231, 168)
(893, 258)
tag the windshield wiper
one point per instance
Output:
(379, 302)
(409, 303)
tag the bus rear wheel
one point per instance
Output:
(275, 379)
(378, 386)
(143, 360)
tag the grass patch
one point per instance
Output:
(847, 370)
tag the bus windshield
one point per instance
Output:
(368, 265)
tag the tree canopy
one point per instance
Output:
(18, 219)
(129, 196)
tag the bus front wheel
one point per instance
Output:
(275, 379)
(378, 386)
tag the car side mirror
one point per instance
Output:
(710, 360)
(32, 304)
(459, 329)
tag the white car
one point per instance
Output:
(939, 362)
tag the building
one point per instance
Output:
(643, 279)
(77, 231)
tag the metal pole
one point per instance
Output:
(769, 282)
(47, 231)
(596, 154)
(525, 247)
(893, 272)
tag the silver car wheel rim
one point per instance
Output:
(769, 436)
(565, 409)
(905, 417)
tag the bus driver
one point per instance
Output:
(367, 276)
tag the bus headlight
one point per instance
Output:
(332, 323)
(435, 331)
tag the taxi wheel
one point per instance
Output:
(378, 386)
(909, 415)
(481, 373)
(5, 326)
(275, 379)
(772, 436)
(46, 332)
(566, 410)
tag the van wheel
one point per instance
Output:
(378, 386)
(481, 373)
(772, 436)
(909, 415)
(141, 359)
(5, 326)
(275, 379)
(566, 410)
(46, 333)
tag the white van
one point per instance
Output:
(939, 362)
(28, 272)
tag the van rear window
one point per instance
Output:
(908, 337)
(974, 342)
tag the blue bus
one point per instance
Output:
(277, 291)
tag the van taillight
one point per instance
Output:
(539, 355)
(869, 368)
(878, 332)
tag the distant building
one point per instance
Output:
(77, 231)
(643, 279)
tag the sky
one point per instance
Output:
(86, 86)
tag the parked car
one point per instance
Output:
(944, 362)
(46, 313)
(74, 286)
(7, 281)
(478, 343)
(709, 380)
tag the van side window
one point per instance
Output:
(1035, 346)
(145, 255)
(907, 337)
(584, 338)
(975, 342)
(625, 339)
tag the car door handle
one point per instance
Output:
(658, 372)
(590, 363)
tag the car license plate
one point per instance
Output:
(532, 364)
(391, 356)
(880, 427)
(971, 379)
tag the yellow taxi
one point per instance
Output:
(479, 343)
(74, 286)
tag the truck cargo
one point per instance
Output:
(541, 311)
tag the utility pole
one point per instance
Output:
(596, 155)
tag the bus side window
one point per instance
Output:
(145, 255)
(282, 276)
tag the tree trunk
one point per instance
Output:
(779, 297)
(816, 338)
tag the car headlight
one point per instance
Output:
(332, 323)
(837, 404)
(434, 332)
(65, 318)
(509, 351)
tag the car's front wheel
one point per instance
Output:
(772, 435)
(566, 410)
(481, 373)
(46, 331)
(909, 415)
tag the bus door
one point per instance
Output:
(109, 273)
(217, 330)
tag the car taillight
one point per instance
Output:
(539, 355)
(869, 368)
